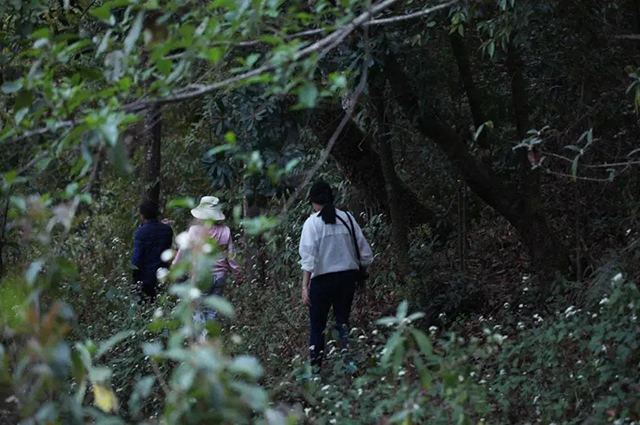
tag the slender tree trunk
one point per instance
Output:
(399, 235)
(463, 61)
(3, 228)
(541, 240)
(153, 154)
(462, 226)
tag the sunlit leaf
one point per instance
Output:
(104, 398)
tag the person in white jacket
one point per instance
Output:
(330, 265)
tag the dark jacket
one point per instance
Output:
(149, 242)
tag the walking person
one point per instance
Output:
(332, 251)
(209, 223)
(150, 240)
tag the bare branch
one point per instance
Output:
(334, 137)
(628, 37)
(419, 14)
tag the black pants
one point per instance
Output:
(145, 284)
(332, 289)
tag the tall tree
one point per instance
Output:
(153, 154)
(392, 183)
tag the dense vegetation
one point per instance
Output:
(488, 148)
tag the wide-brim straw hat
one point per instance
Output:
(209, 209)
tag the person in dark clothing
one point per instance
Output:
(151, 239)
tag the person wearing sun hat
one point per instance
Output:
(209, 222)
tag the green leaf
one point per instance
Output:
(164, 66)
(20, 115)
(33, 271)
(221, 305)
(103, 12)
(111, 342)
(41, 33)
(247, 365)
(23, 100)
(11, 86)
(392, 343)
(398, 357)
(181, 203)
(219, 149)
(574, 168)
(119, 157)
(134, 33)
(230, 137)
(271, 39)
(214, 54)
(141, 391)
(401, 313)
(308, 95)
(425, 378)
(423, 342)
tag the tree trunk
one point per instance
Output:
(359, 162)
(547, 253)
(399, 235)
(3, 228)
(461, 56)
(153, 154)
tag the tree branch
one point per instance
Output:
(330, 41)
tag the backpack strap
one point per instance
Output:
(352, 232)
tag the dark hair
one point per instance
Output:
(149, 210)
(322, 194)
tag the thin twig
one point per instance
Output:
(590, 179)
(163, 383)
(334, 137)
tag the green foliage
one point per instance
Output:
(591, 351)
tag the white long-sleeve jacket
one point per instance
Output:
(329, 248)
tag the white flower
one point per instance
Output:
(433, 328)
(402, 373)
(604, 301)
(162, 274)
(207, 248)
(167, 255)
(194, 293)
(333, 421)
(460, 378)
(617, 278)
(183, 240)
(525, 289)
(326, 387)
